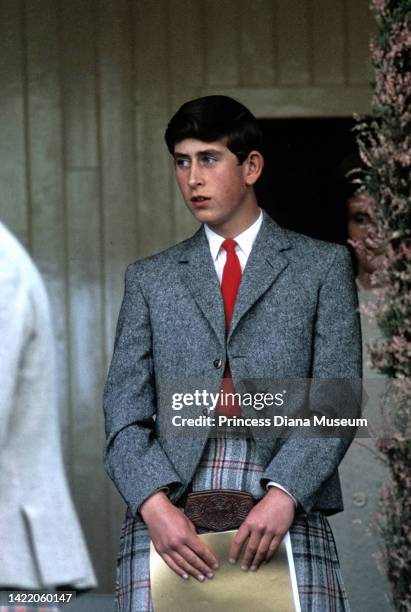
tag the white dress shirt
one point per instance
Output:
(245, 242)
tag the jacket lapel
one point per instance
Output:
(198, 273)
(264, 265)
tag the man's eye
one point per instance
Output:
(181, 162)
(208, 160)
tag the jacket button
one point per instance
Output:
(217, 363)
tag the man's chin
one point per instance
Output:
(205, 216)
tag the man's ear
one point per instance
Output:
(253, 167)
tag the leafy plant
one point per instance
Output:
(384, 141)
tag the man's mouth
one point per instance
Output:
(197, 199)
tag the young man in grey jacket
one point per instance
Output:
(241, 299)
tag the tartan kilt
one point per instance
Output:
(233, 463)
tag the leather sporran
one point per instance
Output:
(218, 510)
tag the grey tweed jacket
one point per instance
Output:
(295, 317)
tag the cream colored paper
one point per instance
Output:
(270, 588)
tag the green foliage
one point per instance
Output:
(384, 142)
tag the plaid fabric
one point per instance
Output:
(233, 463)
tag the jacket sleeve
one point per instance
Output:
(133, 457)
(15, 333)
(303, 465)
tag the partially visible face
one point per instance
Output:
(214, 185)
(361, 230)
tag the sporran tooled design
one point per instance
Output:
(218, 510)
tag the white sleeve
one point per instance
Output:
(15, 313)
(274, 484)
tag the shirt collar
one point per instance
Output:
(245, 240)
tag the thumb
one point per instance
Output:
(191, 525)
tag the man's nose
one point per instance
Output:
(195, 177)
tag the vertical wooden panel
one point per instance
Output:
(46, 180)
(257, 43)
(117, 154)
(13, 207)
(293, 42)
(186, 74)
(328, 42)
(360, 26)
(84, 264)
(186, 50)
(117, 149)
(154, 200)
(222, 26)
(79, 88)
(90, 482)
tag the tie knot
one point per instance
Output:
(229, 245)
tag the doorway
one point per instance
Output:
(303, 186)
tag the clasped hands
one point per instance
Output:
(175, 539)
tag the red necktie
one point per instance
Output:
(229, 289)
(231, 280)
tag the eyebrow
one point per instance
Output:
(199, 153)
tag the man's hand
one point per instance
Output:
(175, 539)
(265, 527)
